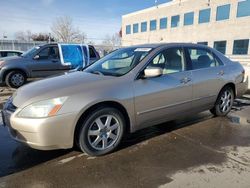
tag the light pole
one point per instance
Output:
(156, 3)
(49, 37)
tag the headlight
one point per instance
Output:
(43, 109)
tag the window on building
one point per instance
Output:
(204, 15)
(220, 46)
(243, 8)
(175, 21)
(223, 12)
(189, 18)
(240, 47)
(153, 25)
(203, 43)
(163, 23)
(135, 28)
(202, 58)
(143, 26)
(128, 29)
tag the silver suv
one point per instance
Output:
(46, 60)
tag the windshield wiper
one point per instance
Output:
(96, 72)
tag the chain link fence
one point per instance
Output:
(24, 46)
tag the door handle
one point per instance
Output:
(185, 80)
(221, 73)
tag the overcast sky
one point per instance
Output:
(96, 18)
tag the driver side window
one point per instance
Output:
(171, 60)
(49, 53)
(44, 53)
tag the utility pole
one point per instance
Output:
(49, 37)
(4, 37)
(156, 3)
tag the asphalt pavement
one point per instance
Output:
(195, 151)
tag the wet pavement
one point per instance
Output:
(197, 151)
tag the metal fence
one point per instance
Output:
(18, 45)
(24, 46)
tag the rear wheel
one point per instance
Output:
(15, 79)
(102, 131)
(224, 102)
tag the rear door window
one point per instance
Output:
(202, 58)
(3, 54)
(12, 54)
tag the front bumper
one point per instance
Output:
(44, 133)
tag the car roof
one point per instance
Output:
(158, 45)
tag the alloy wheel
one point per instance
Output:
(104, 132)
(17, 79)
(226, 101)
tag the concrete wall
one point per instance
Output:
(229, 30)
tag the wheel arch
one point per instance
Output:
(6, 72)
(113, 104)
(232, 85)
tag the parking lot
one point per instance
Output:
(197, 151)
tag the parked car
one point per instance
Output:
(127, 90)
(46, 60)
(9, 53)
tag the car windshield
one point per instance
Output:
(30, 52)
(119, 62)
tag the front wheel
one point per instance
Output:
(102, 131)
(15, 79)
(224, 102)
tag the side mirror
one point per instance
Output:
(151, 72)
(36, 57)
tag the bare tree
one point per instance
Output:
(110, 43)
(64, 30)
(116, 40)
(23, 35)
(42, 37)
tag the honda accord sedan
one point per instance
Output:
(127, 90)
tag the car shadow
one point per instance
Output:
(168, 127)
(164, 128)
(16, 157)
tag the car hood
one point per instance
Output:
(14, 59)
(65, 85)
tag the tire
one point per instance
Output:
(15, 79)
(101, 132)
(224, 102)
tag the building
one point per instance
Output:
(222, 24)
